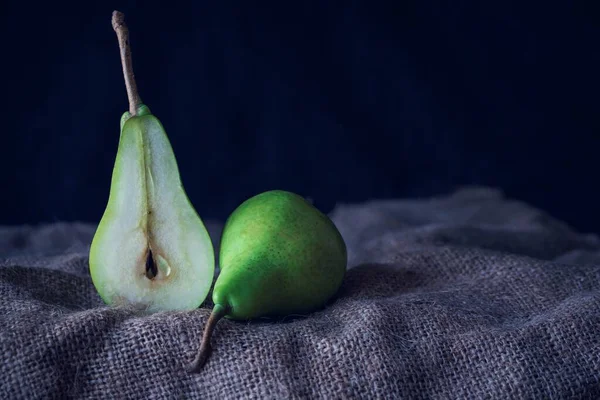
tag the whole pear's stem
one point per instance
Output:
(218, 312)
(118, 24)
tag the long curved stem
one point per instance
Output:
(218, 312)
(118, 24)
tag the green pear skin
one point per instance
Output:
(149, 223)
(279, 256)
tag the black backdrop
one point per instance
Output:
(337, 101)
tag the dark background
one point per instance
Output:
(337, 101)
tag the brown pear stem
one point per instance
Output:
(118, 24)
(218, 312)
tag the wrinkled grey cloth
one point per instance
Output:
(464, 296)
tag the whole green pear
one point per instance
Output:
(279, 255)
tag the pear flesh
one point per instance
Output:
(151, 249)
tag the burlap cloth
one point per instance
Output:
(465, 296)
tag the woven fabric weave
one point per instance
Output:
(465, 296)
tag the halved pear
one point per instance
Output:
(151, 249)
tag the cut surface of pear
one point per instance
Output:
(151, 249)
